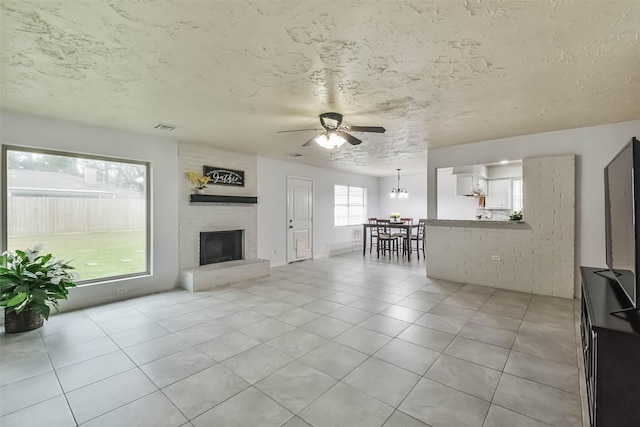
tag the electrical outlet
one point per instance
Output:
(121, 290)
(496, 258)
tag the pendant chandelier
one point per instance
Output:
(398, 191)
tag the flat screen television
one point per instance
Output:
(622, 211)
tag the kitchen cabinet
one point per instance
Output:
(470, 185)
(498, 194)
(482, 185)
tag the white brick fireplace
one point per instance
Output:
(201, 217)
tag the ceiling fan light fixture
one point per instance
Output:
(399, 192)
(335, 134)
(331, 141)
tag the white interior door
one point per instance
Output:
(299, 219)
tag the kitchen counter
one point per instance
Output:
(479, 223)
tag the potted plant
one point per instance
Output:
(30, 284)
(394, 216)
(198, 180)
(515, 216)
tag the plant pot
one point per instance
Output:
(198, 190)
(27, 320)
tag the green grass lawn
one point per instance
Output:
(94, 255)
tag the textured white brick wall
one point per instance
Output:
(195, 218)
(539, 260)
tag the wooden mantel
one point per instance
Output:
(211, 198)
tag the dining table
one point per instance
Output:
(395, 226)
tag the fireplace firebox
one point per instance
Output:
(221, 246)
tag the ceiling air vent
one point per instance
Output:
(165, 126)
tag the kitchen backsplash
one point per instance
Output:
(493, 214)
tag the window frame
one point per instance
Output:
(148, 225)
(513, 193)
(348, 205)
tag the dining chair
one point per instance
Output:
(418, 238)
(373, 234)
(402, 234)
(385, 239)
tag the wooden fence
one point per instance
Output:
(53, 215)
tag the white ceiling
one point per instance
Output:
(232, 73)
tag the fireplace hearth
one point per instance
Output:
(221, 246)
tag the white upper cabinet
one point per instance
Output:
(482, 185)
(469, 184)
(499, 194)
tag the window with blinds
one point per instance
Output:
(350, 205)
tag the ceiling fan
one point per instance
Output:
(335, 134)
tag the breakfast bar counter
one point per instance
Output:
(511, 225)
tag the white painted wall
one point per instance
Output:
(415, 206)
(272, 205)
(450, 205)
(594, 148)
(504, 171)
(23, 130)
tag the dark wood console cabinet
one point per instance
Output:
(611, 349)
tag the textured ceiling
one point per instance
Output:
(232, 73)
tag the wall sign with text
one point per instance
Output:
(221, 176)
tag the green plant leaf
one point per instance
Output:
(46, 311)
(38, 295)
(23, 288)
(6, 285)
(60, 295)
(29, 274)
(16, 300)
(42, 308)
(11, 276)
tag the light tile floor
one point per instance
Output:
(343, 341)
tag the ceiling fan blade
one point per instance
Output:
(349, 138)
(306, 144)
(376, 129)
(296, 130)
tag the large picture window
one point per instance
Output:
(350, 205)
(91, 211)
